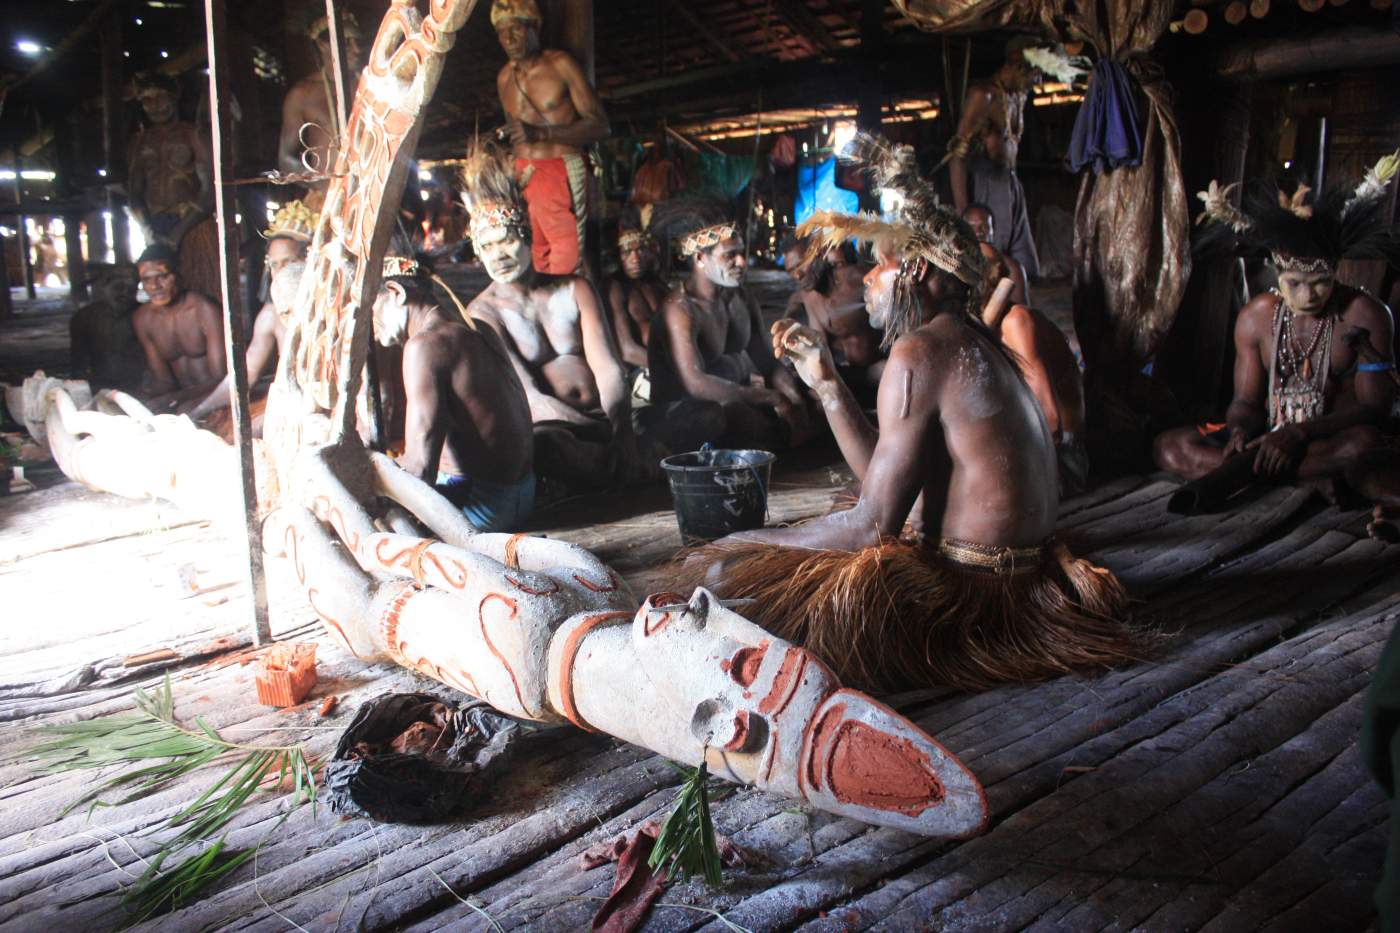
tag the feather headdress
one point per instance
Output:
(1303, 232)
(492, 194)
(1054, 61)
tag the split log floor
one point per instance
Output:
(1216, 786)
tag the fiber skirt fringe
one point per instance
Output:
(900, 615)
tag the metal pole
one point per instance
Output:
(235, 340)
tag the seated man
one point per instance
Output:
(1051, 371)
(830, 295)
(181, 333)
(467, 425)
(288, 239)
(979, 218)
(635, 294)
(945, 571)
(1313, 358)
(103, 347)
(555, 333)
(709, 342)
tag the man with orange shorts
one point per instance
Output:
(552, 113)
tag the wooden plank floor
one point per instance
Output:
(1216, 786)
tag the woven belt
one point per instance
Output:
(986, 558)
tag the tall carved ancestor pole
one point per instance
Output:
(235, 341)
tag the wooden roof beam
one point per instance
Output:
(807, 25)
(725, 48)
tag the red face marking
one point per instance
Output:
(743, 667)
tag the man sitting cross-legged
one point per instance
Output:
(181, 333)
(556, 334)
(636, 292)
(288, 238)
(945, 571)
(830, 295)
(1051, 371)
(709, 342)
(467, 424)
(1313, 359)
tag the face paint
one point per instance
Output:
(879, 292)
(281, 251)
(1306, 292)
(724, 264)
(505, 255)
(390, 316)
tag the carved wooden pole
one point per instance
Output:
(235, 341)
(26, 264)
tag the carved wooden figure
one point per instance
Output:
(540, 629)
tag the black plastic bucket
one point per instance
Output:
(719, 492)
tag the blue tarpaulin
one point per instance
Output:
(817, 191)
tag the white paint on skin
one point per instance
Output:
(974, 376)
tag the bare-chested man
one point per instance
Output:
(170, 183)
(556, 334)
(944, 571)
(1314, 359)
(104, 349)
(552, 113)
(979, 218)
(635, 295)
(181, 333)
(288, 239)
(982, 155)
(830, 295)
(1050, 369)
(467, 427)
(309, 122)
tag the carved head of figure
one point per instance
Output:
(320, 35)
(500, 221)
(159, 96)
(979, 218)
(158, 272)
(517, 25)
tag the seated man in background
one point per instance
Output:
(288, 239)
(1314, 370)
(1051, 371)
(979, 218)
(830, 291)
(635, 294)
(103, 348)
(181, 333)
(556, 335)
(945, 571)
(709, 342)
(467, 424)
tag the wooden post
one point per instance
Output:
(870, 89)
(26, 264)
(7, 306)
(96, 236)
(114, 131)
(235, 341)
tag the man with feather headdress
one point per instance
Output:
(1314, 366)
(946, 570)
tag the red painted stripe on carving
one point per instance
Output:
(566, 664)
(442, 571)
(481, 617)
(332, 623)
(553, 587)
(815, 735)
(611, 586)
(294, 545)
(648, 629)
(785, 683)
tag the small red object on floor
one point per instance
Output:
(287, 674)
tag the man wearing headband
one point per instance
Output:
(310, 124)
(830, 296)
(555, 329)
(181, 332)
(1314, 365)
(945, 572)
(170, 183)
(635, 293)
(467, 424)
(552, 113)
(708, 341)
(288, 238)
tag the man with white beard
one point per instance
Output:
(709, 341)
(557, 336)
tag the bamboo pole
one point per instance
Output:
(235, 340)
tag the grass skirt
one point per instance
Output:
(901, 615)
